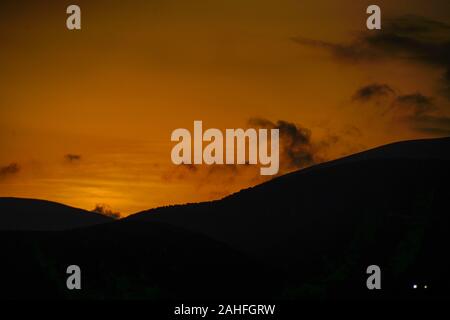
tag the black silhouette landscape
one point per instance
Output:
(34, 215)
(308, 234)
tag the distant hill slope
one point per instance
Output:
(412, 149)
(325, 197)
(388, 206)
(31, 214)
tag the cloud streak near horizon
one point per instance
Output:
(418, 110)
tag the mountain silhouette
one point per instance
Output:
(31, 214)
(308, 234)
(388, 180)
(386, 206)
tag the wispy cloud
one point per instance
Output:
(9, 170)
(416, 103)
(419, 111)
(411, 38)
(106, 210)
(373, 91)
(70, 157)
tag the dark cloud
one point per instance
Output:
(9, 170)
(106, 210)
(416, 109)
(411, 38)
(406, 105)
(445, 89)
(296, 148)
(434, 125)
(72, 157)
(372, 91)
(416, 103)
(352, 131)
(299, 150)
(190, 167)
(204, 174)
(354, 52)
(413, 24)
(180, 172)
(296, 151)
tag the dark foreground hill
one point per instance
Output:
(129, 260)
(324, 225)
(31, 214)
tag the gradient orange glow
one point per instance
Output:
(113, 92)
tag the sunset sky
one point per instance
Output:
(86, 116)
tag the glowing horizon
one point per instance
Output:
(86, 116)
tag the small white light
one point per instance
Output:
(415, 286)
(425, 286)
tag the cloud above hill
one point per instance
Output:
(408, 38)
(419, 111)
(297, 146)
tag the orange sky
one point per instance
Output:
(113, 92)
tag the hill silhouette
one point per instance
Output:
(327, 223)
(308, 234)
(129, 260)
(388, 180)
(31, 214)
